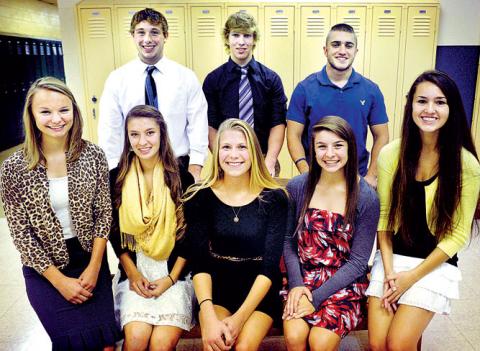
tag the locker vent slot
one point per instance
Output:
(173, 27)
(355, 22)
(421, 26)
(279, 26)
(315, 26)
(97, 28)
(206, 27)
(126, 26)
(386, 26)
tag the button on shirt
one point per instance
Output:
(269, 100)
(360, 102)
(180, 99)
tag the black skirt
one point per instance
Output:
(87, 326)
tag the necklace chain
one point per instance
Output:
(236, 213)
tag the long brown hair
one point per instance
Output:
(342, 129)
(166, 156)
(454, 135)
(32, 146)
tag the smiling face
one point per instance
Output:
(430, 108)
(53, 114)
(144, 138)
(331, 151)
(241, 47)
(340, 50)
(233, 154)
(150, 40)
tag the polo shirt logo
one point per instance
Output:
(363, 102)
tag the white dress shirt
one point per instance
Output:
(180, 100)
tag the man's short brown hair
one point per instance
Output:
(152, 16)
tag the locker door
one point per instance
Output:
(420, 50)
(279, 47)
(98, 59)
(315, 24)
(207, 43)
(126, 46)
(356, 17)
(176, 45)
(384, 55)
(254, 11)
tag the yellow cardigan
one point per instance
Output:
(387, 165)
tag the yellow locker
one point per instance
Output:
(176, 45)
(98, 59)
(254, 11)
(279, 50)
(419, 51)
(126, 46)
(207, 45)
(356, 17)
(314, 27)
(385, 53)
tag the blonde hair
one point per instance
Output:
(240, 22)
(260, 178)
(32, 146)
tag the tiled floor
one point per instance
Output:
(21, 331)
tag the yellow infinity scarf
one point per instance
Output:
(148, 225)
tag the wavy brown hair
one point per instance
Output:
(32, 146)
(342, 129)
(453, 136)
(166, 156)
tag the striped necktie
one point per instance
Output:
(245, 99)
(151, 88)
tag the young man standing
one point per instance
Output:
(153, 79)
(244, 88)
(338, 90)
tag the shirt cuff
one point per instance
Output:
(197, 158)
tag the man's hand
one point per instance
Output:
(195, 171)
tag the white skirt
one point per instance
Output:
(172, 308)
(433, 292)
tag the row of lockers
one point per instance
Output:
(396, 42)
(24, 60)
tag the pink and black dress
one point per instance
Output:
(330, 258)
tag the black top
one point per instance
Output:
(424, 242)
(269, 100)
(179, 250)
(258, 233)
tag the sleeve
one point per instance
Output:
(378, 112)
(290, 246)
(115, 239)
(362, 244)
(211, 96)
(463, 218)
(110, 122)
(196, 235)
(102, 203)
(276, 228)
(197, 122)
(31, 251)
(386, 171)
(298, 105)
(279, 102)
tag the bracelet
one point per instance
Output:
(300, 159)
(173, 282)
(200, 304)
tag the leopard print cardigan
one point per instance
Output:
(35, 229)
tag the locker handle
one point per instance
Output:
(94, 99)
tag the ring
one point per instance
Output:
(394, 288)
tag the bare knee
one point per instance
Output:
(295, 341)
(136, 341)
(244, 345)
(377, 344)
(400, 344)
(162, 345)
(321, 346)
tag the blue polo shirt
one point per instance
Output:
(360, 102)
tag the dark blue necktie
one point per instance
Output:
(245, 99)
(150, 88)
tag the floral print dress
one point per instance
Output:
(323, 247)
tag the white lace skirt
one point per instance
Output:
(172, 308)
(433, 292)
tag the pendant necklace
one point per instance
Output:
(236, 219)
